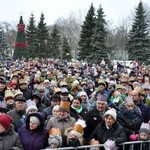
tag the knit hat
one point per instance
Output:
(29, 108)
(145, 127)
(56, 108)
(78, 128)
(35, 120)
(5, 121)
(111, 112)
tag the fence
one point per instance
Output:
(124, 145)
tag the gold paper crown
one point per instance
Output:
(65, 104)
(55, 131)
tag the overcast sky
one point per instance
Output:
(10, 10)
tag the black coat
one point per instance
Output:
(93, 118)
(76, 115)
(115, 133)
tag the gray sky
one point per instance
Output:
(10, 10)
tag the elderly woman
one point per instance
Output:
(109, 132)
(33, 135)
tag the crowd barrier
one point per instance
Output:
(97, 147)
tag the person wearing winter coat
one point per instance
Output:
(9, 139)
(109, 132)
(129, 116)
(95, 116)
(33, 135)
(76, 110)
(37, 98)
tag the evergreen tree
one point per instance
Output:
(98, 43)
(3, 44)
(138, 41)
(86, 33)
(21, 47)
(31, 37)
(42, 37)
(55, 51)
(66, 49)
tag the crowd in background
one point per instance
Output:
(46, 103)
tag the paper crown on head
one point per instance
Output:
(64, 105)
(128, 99)
(55, 131)
(145, 127)
(55, 137)
(78, 128)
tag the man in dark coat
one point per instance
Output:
(95, 116)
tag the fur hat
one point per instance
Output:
(78, 128)
(5, 121)
(111, 112)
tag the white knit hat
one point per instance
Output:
(31, 108)
(111, 112)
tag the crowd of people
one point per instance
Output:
(46, 104)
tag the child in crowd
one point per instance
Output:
(144, 135)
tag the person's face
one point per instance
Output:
(109, 120)
(2, 129)
(120, 91)
(56, 102)
(2, 86)
(143, 136)
(135, 97)
(63, 114)
(76, 103)
(146, 92)
(55, 113)
(10, 101)
(100, 105)
(54, 145)
(42, 92)
(64, 96)
(33, 125)
(36, 99)
(32, 111)
(20, 105)
(23, 86)
(101, 86)
(129, 106)
(83, 97)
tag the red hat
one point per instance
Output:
(5, 121)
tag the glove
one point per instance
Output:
(110, 145)
(133, 137)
